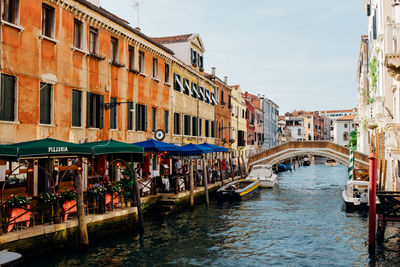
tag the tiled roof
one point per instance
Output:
(122, 23)
(337, 111)
(347, 118)
(172, 39)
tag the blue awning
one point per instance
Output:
(192, 149)
(215, 148)
(157, 146)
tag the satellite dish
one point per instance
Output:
(159, 135)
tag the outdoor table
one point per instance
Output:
(19, 215)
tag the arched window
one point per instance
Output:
(309, 136)
(345, 136)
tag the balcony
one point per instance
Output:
(392, 141)
(392, 56)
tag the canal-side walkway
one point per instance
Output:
(47, 234)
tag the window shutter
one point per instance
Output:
(88, 109)
(101, 111)
(145, 118)
(137, 117)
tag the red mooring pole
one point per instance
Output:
(372, 202)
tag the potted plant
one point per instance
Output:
(96, 192)
(16, 201)
(49, 199)
(113, 190)
(17, 210)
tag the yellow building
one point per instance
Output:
(238, 120)
(192, 102)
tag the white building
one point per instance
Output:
(271, 113)
(342, 128)
(296, 128)
(333, 115)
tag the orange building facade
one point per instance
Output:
(63, 61)
(222, 111)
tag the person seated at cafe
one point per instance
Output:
(138, 171)
(223, 164)
(185, 168)
(178, 166)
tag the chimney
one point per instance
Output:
(226, 79)
(213, 71)
(138, 29)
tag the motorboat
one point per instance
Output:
(238, 190)
(355, 194)
(8, 258)
(264, 174)
(306, 162)
(282, 167)
(330, 162)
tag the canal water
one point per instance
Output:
(299, 223)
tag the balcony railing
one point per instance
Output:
(392, 55)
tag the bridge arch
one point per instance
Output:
(292, 149)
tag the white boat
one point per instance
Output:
(264, 174)
(330, 162)
(356, 194)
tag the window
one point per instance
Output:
(298, 131)
(166, 121)
(194, 90)
(200, 127)
(94, 115)
(76, 108)
(155, 68)
(345, 136)
(309, 125)
(10, 11)
(114, 50)
(166, 70)
(130, 116)
(186, 87)
(186, 119)
(141, 118)
(131, 60)
(222, 97)
(177, 82)
(153, 119)
(93, 40)
(193, 56)
(47, 21)
(212, 128)
(345, 125)
(7, 98)
(241, 138)
(194, 126)
(113, 113)
(45, 103)
(201, 65)
(207, 128)
(141, 61)
(78, 33)
(177, 123)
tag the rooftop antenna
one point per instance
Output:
(136, 6)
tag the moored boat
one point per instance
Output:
(238, 190)
(306, 162)
(355, 195)
(282, 167)
(330, 162)
(264, 174)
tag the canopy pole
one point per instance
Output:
(220, 169)
(191, 182)
(205, 182)
(231, 166)
(138, 201)
(240, 165)
(244, 165)
(83, 234)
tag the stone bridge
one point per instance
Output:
(294, 149)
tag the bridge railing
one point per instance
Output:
(306, 144)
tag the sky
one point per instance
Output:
(300, 54)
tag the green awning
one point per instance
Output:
(8, 152)
(113, 147)
(50, 147)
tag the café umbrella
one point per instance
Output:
(215, 148)
(157, 146)
(50, 147)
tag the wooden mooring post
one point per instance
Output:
(231, 166)
(138, 201)
(191, 183)
(83, 233)
(372, 202)
(205, 182)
